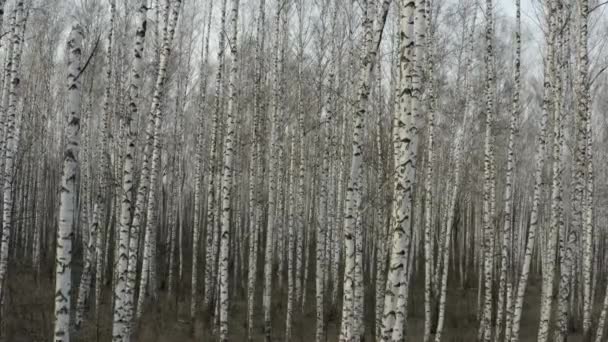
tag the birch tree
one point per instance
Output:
(568, 261)
(507, 237)
(228, 173)
(488, 229)
(272, 177)
(63, 264)
(255, 172)
(534, 213)
(120, 326)
(148, 273)
(12, 77)
(405, 146)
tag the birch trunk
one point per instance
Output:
(405, 133)
(351, 212)
(488, 229)
(272, 179)
(428, 203)
(508, 194)
(86, 275)
(587, 206)
(211, 240)
(120, 326)
(578, 177)
(291, 242)
(301, 197)
(229, 138)
(254, 173)
(428, 183)
(63, 263)
(530, 241)
(10, 142)
(148, 265)
(198, 212)
(106, 163)
(555, 225)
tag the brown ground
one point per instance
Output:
(29, 317)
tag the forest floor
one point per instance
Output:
(30, 315)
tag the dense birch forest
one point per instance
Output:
(304, 170)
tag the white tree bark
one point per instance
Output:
(405, 138)
(254, 173)
(555, 225)
(428, 181)
(291, 240)
(198, 212)
(508, 194)
(488, 227)
(120, 326)
(148, 265)
(106, 163)
(227, 174)
(428, 252)
(587, 205)
(10, 141)
(67, 201)
(567, 276)
(534, 213)
(212, 203)
(86, 275)
(370, 43)
(272, 179)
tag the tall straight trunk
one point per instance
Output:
(508, 192)
(380, 220)
(351, 212)
(405, 141)
(272, 179)
(428, 177)
(84, 189)
(94, 259)
(321, 241)
(588, 286)
(301, 197)
(121, 322)
(444, 255)
(105, 186)
(37, 243)
(145, 185)
(175, 216)
(371, 42)
(488, 228)
(211, 240)
(555, 224)
(67, 200)
(530, 240)
(198, 212)
(10, 143)
(578, 179)
(4, 84)
(290, 241)
(227, 175)
(584, 105)
(254, 173)
(199, 172)
(86, 275)
(428, 207)
(148, 265)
